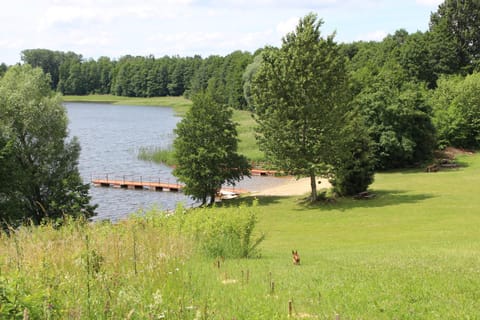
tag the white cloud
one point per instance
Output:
(187, 27)
(76, 12)
(378, 35)
(287, 26)
(429, 2)
(11, 44)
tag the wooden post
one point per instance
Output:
(272, 287)
(290, 307)
(337, 317)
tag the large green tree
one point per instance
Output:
(398, 115)
(456, 105)
(455, 27)
(206, 149)
(300, 96)
(39, 174)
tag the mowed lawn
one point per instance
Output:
(413, 252)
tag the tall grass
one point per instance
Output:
(139, 268)
(158, 155)
(413, 252)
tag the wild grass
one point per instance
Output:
(138, 268)
(412, 252)
(158, 155)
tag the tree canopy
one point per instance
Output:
(456, 106)
(206, 149)
(37, 163)
(300, 94)
(457, 23)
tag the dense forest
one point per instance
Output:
(416, 91)
(144, 76)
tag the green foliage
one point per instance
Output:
(301, 97)
(3, 69)
(49, 61)
(221, 232)
(457, 111)
(456, 24)
(353, 171)
(248, 75)
(398, 116)
(145, 76)
(206, 149)
(38, 163)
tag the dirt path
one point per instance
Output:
(292, 187)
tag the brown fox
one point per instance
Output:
(295, 257)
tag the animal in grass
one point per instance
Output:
(295, 257)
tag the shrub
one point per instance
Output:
(221, 232)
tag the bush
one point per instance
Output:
(354, 168)
(221, 232)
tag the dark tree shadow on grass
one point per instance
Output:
(382, 198)
(250, 199)
(460, 164)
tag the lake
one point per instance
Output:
(110, 137)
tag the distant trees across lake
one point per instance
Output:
(137, 76)
(414, 91)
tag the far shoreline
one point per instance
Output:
(179, 104)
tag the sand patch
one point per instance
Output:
(293, 187)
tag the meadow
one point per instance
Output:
(412, 252)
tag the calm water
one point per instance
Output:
(110, 137)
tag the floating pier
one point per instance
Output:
(137, 185)
(154, 186)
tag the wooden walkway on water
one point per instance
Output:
(166, 186)
(153, 186)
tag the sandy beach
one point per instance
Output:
(293, 187)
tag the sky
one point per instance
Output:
(114, 28)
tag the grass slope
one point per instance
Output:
(413, 252)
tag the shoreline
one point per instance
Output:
(292, 187)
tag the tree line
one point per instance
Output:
(322, 108)
(344, 111)
(137, 76)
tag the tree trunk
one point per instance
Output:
(212, 199)
(313, 184)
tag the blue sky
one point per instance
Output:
(115, 28)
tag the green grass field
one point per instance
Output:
(412, 252)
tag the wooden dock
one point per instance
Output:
(153, 186)
(137, 185)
